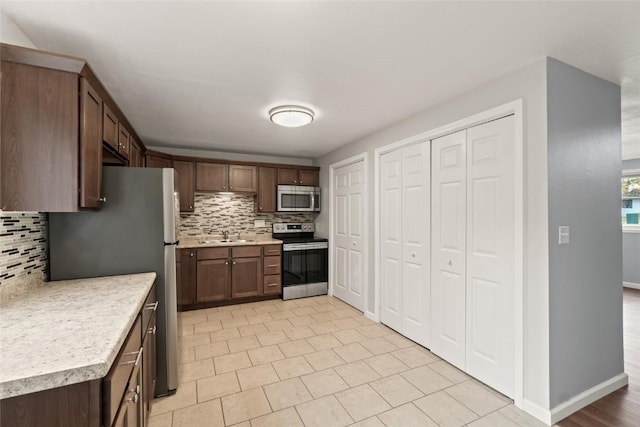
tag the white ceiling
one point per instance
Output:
(204, 74)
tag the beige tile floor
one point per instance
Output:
(317, 362)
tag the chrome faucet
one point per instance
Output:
(225, 233)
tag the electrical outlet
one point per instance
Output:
(259, 223)
(563, 235)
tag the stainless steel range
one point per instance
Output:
(305, 260)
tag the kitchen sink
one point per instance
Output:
(226, 241)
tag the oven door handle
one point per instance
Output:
(289, 247)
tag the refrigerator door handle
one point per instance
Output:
(176, 243)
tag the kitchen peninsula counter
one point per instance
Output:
(66, 332)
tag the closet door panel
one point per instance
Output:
(490, 262)
(448, 247)
(391, 239)
(416, 246)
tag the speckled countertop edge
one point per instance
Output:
(67, 332)
(189, 242)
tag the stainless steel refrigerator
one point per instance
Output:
(135, 231)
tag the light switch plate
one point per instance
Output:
(259, 223)
(563, 235)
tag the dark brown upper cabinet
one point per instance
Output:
(90, 146)
(266, 198)
(212, 177)
(55, 116)
(243, 178)
(109, 127)
(123, 141)
(225, 177)
(185, 184)
(41, 136)
(135, 154)
(298, 176)
(152, 161)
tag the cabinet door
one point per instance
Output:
(135, 158)
(266, 190)
(212, 177)
(123, 141)
(213, 280)
(246, 277)
(186, 277)
(308, 177)
(272, 284)
(243, 178)
(109, 127)
(287, 176)
(186, 184)
(157, 162)
(90, 146)
(148, 369)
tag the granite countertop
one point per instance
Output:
(205, 241)
(66, 332)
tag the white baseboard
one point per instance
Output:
(587, 397)
(537, 411)
(631, 285)
(576, 403)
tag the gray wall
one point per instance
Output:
(527, 83)
(631, 242)
(585, 276)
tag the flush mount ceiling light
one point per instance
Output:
(291, 116)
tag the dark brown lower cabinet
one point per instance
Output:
(213, 280)
(148, 369)
(219, 275)
(186, 273)
(122, 398)
(246, 277)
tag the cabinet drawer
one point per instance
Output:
(272, 284)
(272, 265)
(213, 253)
(246, 251)
(115, 383)
(272, 250)
(150, 307)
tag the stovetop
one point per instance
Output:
(296, 233)
(301, 239)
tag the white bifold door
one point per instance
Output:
(348, 236)
(404, 243)
(472, 277)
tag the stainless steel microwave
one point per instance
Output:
(298, 198)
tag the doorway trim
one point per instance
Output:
(365, 226)
(515, 108)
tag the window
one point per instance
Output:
(630, 200)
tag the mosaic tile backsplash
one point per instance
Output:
(214, 213)
(23, 245)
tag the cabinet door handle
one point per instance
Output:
(137, 359)
(102, 199)
(191, 254)
(151, 306)
(272, 265)
(234, 263)
(226, 263)
(152, 330)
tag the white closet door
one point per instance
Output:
(391, 239)
(415, 242)
(490, 246)
(348, 211)
(448, 247)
